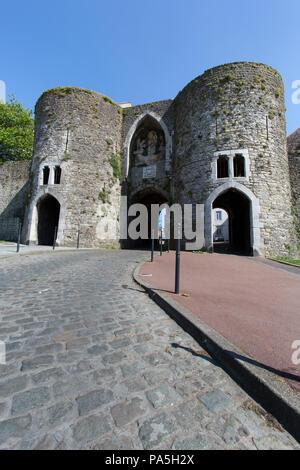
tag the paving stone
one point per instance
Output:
(124, 413)
(155, 377)
(60, 412)
(73, 326)
(273, 443)
(215, 377)
(114, 358)
(47, 332)
(29, 400)
(186, 388)
(77, 343)
(143, 338)
(14, 427)
(120, 343)
(165, 395)
(124, 331)
(33, 325)
(137, 384)
(69, 356)
(154, 430)
(93, 400)
(49, 348)
(113, 443)
(36, 362)
(13, 346)
(190, 414)
(12, 329)
(47, 375)
(132, 369)
(104, 374)
(199, 441)
(228, 428)
(63, 337)
(80, 367)
(157, 359)
(216, 400)
(97, 349)
(71, 388)
(90, 428)
(11, 386)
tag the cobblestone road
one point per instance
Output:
(93, 363)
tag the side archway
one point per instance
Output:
(31, 229)
(48, 210)
(243, 208)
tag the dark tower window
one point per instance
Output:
(239, 166)
(222, 167)
(57, 175)
(46, 173)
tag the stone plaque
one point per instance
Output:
(149, 171)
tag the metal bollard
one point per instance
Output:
(54, 240)
(177, 267)
(19, 235)
(152, 246)
(160, 243)
(78, 238)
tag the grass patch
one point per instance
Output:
(296, 262)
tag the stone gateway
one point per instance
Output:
(221, 143)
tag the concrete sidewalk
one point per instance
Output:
(249, 308)
(254, 305)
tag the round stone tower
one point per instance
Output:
(230, 153)
(75, 170)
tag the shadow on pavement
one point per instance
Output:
(281, 373)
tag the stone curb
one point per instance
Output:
(268, 389)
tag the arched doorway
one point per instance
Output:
(48, 209)
(238, 207)
(147, 197)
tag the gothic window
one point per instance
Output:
(57, 175)
(222, 167)
(238, 166)
(46, 173)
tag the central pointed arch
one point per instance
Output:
(128, 141)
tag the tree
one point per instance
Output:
(16, 131)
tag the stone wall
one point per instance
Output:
(80, 131)
(237, 107)
(170, 150)
(294, 162)
(13, 196)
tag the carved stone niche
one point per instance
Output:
(148, 143)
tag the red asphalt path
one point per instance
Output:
(254, 305)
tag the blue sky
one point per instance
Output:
(143, 51)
